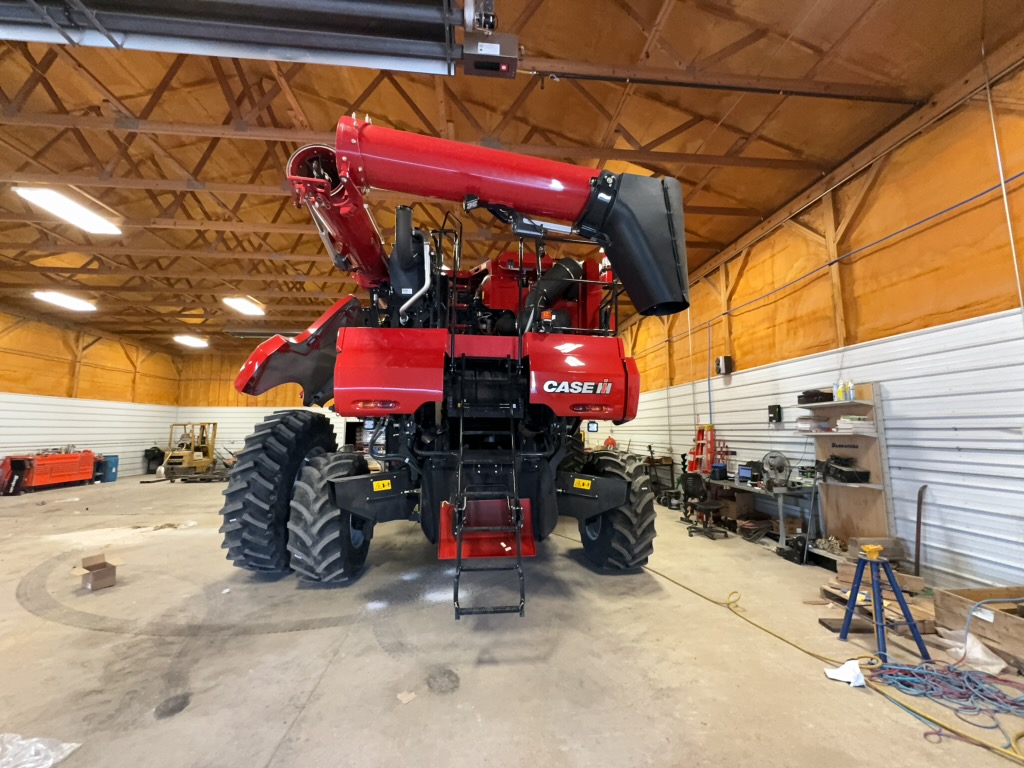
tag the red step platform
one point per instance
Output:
(485, 513)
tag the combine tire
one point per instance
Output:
(621, 538)
(260, 487)
(326, 544)
(574, 454)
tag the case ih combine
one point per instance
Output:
(477, 379)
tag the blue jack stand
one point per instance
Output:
(870, 556)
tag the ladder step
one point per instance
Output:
(494, 609)
(490, 529)
(485, 568)
(496, 494)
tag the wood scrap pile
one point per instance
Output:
(916, 592)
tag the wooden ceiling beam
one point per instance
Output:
(642, 74)
(784, 36)
(259, 133)
(298, 114)
(161, 290)
(642, 156)
(1002, 61)
(653, 33)
(204, 225)
(129, 308)
(411, 103)
(158, 185)
(756, 134)
(126, 272)
(731, 50)
(159, 253)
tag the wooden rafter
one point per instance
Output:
(1005, 58)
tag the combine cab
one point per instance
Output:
(476, 379)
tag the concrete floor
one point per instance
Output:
(191, 662)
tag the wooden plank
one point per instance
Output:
(859, 625)
(1003, 627)
(907, 582)
(831, 240)
(922, 616)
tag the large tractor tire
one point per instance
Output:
(622, 538)
(326, 544)
(574, 454)
(260, 487)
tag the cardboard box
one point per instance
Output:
(744, 504)
(997, 622)
(98, 572)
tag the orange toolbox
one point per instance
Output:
(27, 473)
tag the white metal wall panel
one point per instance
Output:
(953, 409)
(30, 423)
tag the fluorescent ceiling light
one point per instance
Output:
(65, 301)
(66, 208)
(245, 305)
(191, 341)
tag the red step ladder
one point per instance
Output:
(702, 455)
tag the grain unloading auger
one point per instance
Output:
(477, 380)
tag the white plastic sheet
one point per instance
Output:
(18, 752)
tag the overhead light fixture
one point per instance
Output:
(65, 208)
(191, 341)
(65, 301)
(245, 304)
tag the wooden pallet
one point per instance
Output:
(908, 583)
(922, 609)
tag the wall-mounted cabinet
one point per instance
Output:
(854, 509)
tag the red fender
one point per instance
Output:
(306, 359)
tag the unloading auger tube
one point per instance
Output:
(637, 219)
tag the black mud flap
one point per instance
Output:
(586, 496)
(378, 498)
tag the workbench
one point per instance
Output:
(779, 494)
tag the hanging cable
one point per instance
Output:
(711, 408)
(1002, 181)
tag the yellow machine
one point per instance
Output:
(191, 450)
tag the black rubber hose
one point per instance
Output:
(555, 284)
(404, 251)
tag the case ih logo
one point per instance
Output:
(579, 387)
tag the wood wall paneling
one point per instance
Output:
(40, 358)
(787, 295)
(207, 380)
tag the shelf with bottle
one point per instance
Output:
(837, 404)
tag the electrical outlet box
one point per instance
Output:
(774, 414)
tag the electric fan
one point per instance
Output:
(776, 470)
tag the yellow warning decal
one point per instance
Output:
(583, 485)
(381, 485)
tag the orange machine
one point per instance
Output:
(27, 473)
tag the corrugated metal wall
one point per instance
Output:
(953, 404)
(29, 423)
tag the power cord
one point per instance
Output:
(874, 665)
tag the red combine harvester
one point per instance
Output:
(477, 380)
